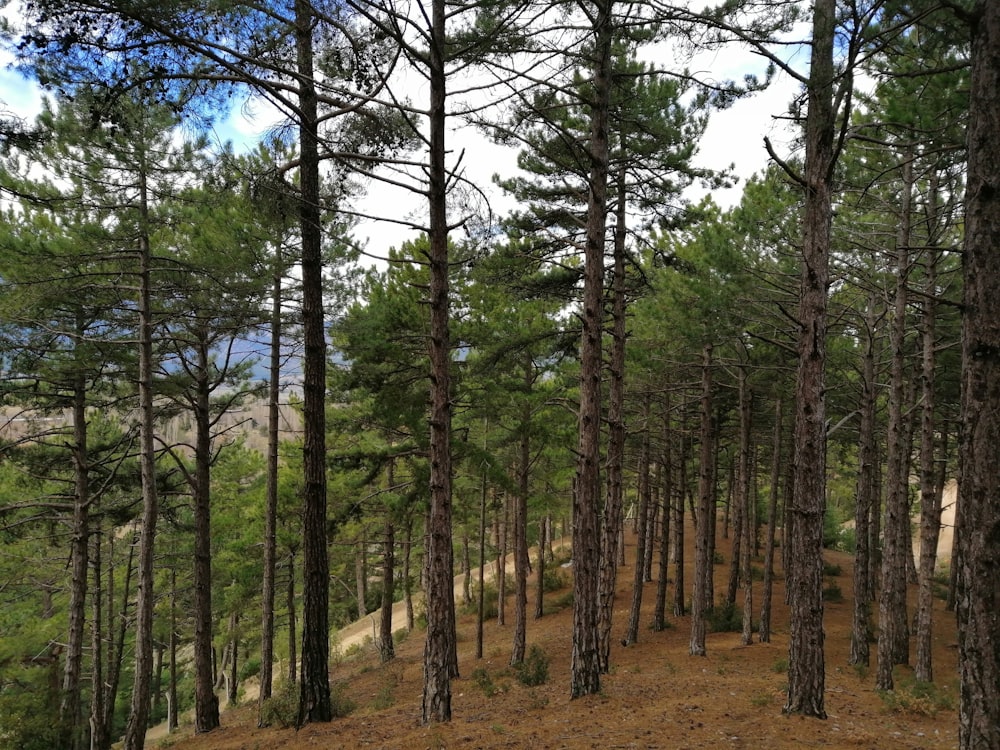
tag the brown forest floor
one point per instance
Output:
(656, 696)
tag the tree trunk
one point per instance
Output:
(501, 576)
(439, 648)
(481, 592)
(172, 719)
(466, 570)
(232, 693)
(680, 606)
(632, 634)
(135, 730)
(978, 599)
(667, 492)
(407, 587)
(611, 530)
(585, 666)
(861, 629)
(521, 532)
(930, 489)
(116, 655)
(764, 633)
(97, 638)
(271, 499)
(314, 682)
(70, 703)
(386, 647)
(806, 667)
(703, 519)
(206, 702)
(361, 575)
(293, 659)
(543, 531)
(745, 497)
(894, 633)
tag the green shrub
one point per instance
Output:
(831, 569)
(250, 668)
(341, 703)
(534, 670)
(833, 594)
(724, 618)
(491, 607)
(282, 708)
(913, 696)
(553, 579)
(484, 682)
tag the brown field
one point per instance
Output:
(656, 696)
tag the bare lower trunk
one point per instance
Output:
(439, 648)
(978, 591)
(806, 664)
(611, 530)
(772, 519)
(585, 668)
(632, 633)
(866, 501)
(135, 730)
(703, 519)
(894, 633)
(680, 606)
(930, 488)
(314, 683)
(271, 501)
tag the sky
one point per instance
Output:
(734, 137)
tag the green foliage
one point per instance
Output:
(249, 668)
(913, 696)
(29, 707)
(831, 569)
(485, 682)
(724, 618)
(341, 703)
(553, 579)
(282, 708)
(534, 670)
(833, 594)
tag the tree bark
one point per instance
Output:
(521, 529)
(930, 488)
(746, 505)
(611, 529)
(70, 702)
(632, 633)
(314, 683)
(271, 498)
(98, 634)
(764, 632)
(703, 519)
(667, 490)
(680, 605)
(866, 504)
(206, 702)
(894, 632)
(806, 667)
(585, 667)
(386, 647)
(978, 599)
(439, 648)
(135, 730)
(293, 659)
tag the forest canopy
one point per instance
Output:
(231, 426)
